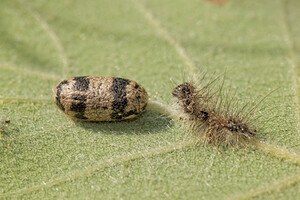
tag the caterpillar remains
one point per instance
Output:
(212, 118)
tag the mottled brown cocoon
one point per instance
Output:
(96, 98)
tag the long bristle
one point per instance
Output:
(210, 114)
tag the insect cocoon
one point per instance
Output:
(96, 98)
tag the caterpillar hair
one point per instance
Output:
(212, 117)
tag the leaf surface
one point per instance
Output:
(46, 155)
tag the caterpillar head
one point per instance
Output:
(183, 91)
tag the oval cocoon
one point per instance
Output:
(97, 98)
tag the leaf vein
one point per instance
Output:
(167, 36)
(100, 166)
(54, 37)
(293, 55)
(268, 189)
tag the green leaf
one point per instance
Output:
(46, 155)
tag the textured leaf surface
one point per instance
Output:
(45, 155)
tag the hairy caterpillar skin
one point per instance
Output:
(96, 98)
(211, 117)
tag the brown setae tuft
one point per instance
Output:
(212, 117)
